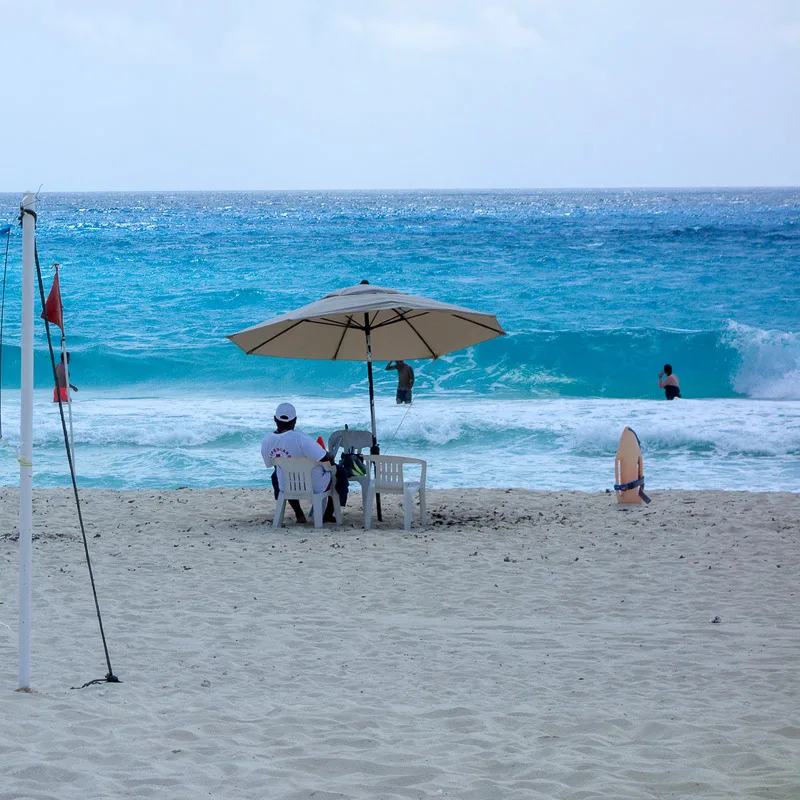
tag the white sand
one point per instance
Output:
(528, 645)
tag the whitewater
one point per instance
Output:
(597, 290)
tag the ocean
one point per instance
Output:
(597, 290)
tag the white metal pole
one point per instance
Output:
(26, 440)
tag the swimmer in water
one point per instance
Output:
(669, 383)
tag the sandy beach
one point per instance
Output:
(527, 645)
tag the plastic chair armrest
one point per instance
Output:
(420, 462)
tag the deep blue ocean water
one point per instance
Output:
(597, 289)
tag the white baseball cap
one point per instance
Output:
(285, 412)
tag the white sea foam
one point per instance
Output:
(468, 440)
(770, 362)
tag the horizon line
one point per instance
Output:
(654, 188)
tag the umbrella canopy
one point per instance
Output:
(366, 322)
(344, 324)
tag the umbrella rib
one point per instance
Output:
(320, 321)
(332, 322)
(344, 333)
(480, 324)
(273, 338)
(399, 318)
(403, 317)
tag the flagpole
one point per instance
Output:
(26, 439)
(65, 362)
(69, 394)
(53, 311)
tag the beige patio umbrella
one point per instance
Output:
(365, 322)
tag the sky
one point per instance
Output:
(398, 94)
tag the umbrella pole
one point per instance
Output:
(375, 449)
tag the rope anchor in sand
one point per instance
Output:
(15, 453)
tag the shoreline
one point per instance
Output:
(247, 507)
(527, 644)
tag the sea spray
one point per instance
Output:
(768, 364)
(537, 443)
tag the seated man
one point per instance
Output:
(286, 442)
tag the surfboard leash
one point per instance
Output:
(624, 487)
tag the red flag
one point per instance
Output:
(53, 309)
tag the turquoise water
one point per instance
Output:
(597, 289)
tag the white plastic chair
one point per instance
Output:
(357, 440)
(387, 472)
(297, 485)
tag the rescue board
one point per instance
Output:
(629, 470)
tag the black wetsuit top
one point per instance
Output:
(672, 392)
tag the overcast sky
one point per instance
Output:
(361, 94)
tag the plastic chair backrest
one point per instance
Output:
(388, 472)
(296, 474)
(346, 439)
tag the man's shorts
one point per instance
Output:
(404, 395)
(63, 391)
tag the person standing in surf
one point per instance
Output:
(405, 380)
(669, 383)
